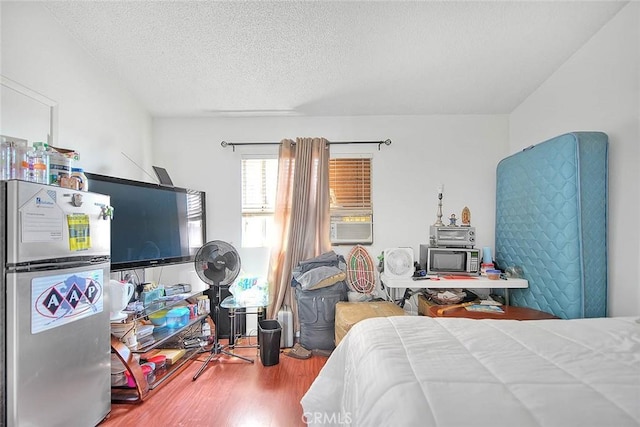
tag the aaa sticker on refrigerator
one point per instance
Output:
(61, 299)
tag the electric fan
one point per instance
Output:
(217, 263)
(398, 263)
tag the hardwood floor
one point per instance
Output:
(230, 392)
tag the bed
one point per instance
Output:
(423, 371)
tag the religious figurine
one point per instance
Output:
(466, 217)
(452, 220)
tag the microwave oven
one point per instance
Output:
(463, 261)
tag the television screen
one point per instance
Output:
(152, 224)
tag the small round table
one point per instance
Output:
(256, 307)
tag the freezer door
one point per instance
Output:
(58, 347)
(45, 222)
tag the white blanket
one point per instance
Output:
(422, 371)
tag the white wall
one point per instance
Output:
(598, 88)
(97, 116)
(459, 151)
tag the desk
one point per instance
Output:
(230, 303)
(473, 282)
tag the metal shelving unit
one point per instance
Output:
(159, 337)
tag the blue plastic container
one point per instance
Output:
(177, 317)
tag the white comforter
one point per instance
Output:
(422, 371)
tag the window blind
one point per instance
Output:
(194, 205)
(350, 185)
(259, 179)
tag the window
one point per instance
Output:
(350, 186)
(351, 208)
(350, 192)
(259, 181)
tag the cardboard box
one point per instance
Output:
(67, 152)
(350, 313)
(172, 354)
(423, 305)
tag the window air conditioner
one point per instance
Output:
(351, 230)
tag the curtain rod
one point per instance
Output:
(234, 144)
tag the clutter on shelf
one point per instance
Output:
(41, 163)
(250, 290)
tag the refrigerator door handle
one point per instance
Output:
(57, 264)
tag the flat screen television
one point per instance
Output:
(152, 225)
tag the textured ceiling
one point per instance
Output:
(205, 58)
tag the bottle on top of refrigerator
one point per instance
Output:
(12, 155)
(83, 183)
(25, 171)
(21, 162)
(6, 154)
(38, 164)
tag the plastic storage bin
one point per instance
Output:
(269, 337)
(159, 318)
(177, 317)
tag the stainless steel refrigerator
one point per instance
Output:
(54, 306)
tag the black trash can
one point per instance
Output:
(269, 332)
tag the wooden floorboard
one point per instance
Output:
(230, 393)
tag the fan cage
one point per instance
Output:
(398, 262)
(208, 254)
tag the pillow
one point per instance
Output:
(319, 277)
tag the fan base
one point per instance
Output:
(216, 350)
